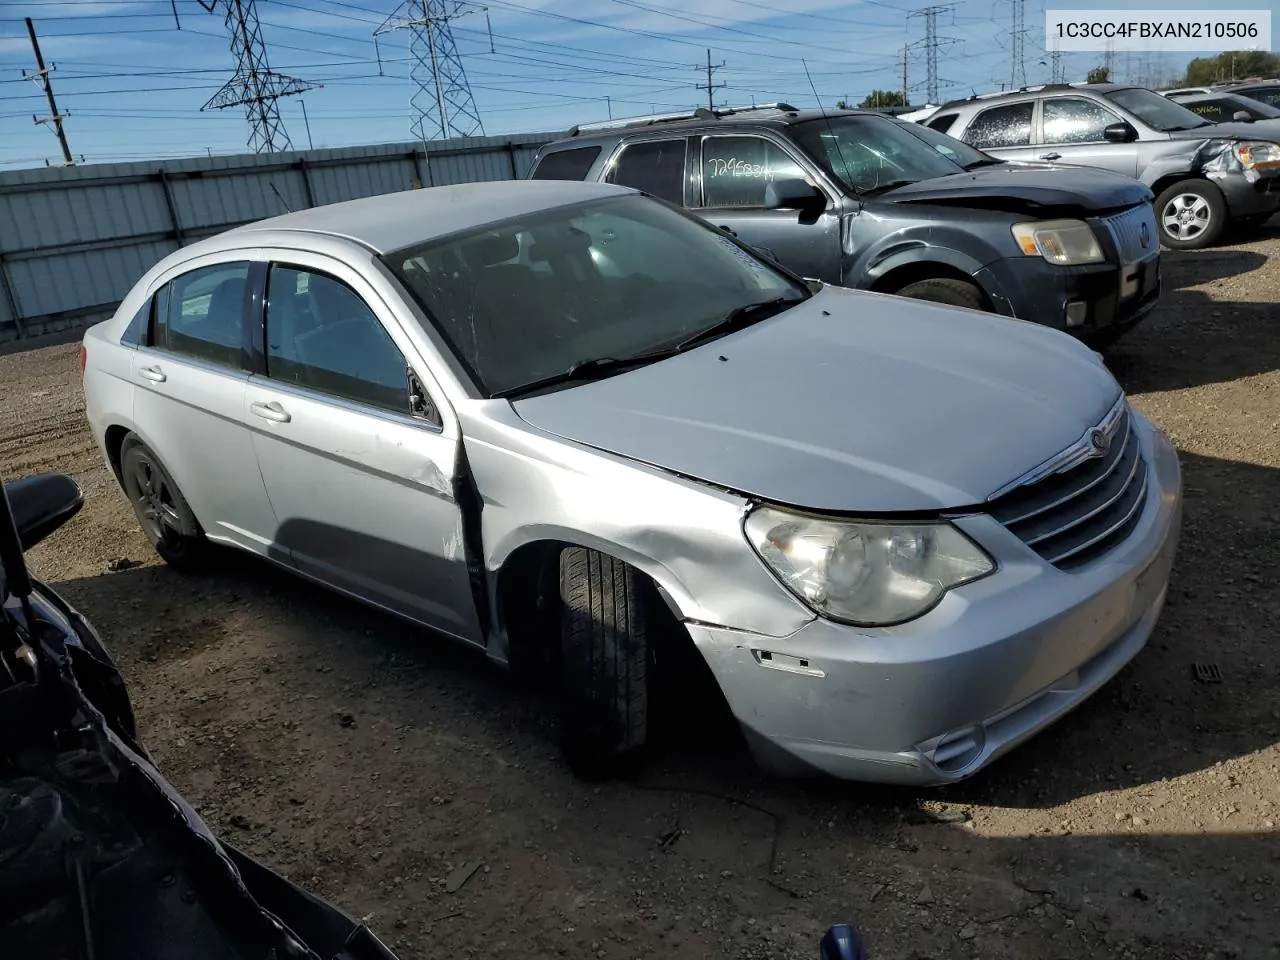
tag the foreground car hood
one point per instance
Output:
(1064, 186)
(852, 401)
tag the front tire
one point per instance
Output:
(955, 293)
(161, 510)
(1190, 215)
(604, 686)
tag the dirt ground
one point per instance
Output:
(377, 764)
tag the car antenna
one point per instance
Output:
(830, 129)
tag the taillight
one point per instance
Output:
(84, 359)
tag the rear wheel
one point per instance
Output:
(604, 686)
(162, 511)
(1190, 214)
(955, 293)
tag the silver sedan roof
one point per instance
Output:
(392, 221)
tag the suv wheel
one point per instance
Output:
(1191, 214)
(956, 293)
(604, 663)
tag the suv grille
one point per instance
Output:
(1126, 230)
(1078, 513)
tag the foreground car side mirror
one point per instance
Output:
(1243, 116)
(1119, 133)
(42, 503)
(792, 194)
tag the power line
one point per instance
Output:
(443, 101)
(41, 74)
(710, 87)
(254, 86)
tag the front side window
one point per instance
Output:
(527, 299)
(737, 170)
(654, 166)
(322, 336)
(201, 315)
(869, 153)
(1073, 120)
(566, 164)
(1006, 126)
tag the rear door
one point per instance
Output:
(1071, 131)
(1004, 130)
(360, 475)
(735, 170)
(190, 374)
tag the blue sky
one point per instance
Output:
(133, 84)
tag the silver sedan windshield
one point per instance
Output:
(626, 277)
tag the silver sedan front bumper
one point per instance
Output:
(936, 700)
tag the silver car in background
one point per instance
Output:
(558, 416)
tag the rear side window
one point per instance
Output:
(654, 166)
(736, 170)
(322, 336)
(201, 315)
(1007, 126)
(566, 164)
(943, 123)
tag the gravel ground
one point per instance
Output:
(378, 765)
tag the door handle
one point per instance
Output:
(270, 411)
(1050, 156)
(154, 374)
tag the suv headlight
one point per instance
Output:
(866, 572)
(1258, 154)
(1064, 242)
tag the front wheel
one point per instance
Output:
(1190, 215)
(955, 293)
(161, 509)
(604, 687)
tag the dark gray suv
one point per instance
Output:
(856, 199)
(1204, 175)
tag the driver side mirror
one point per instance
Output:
(1243, 116)
(792, 194)
(42, 503)
(1119, 133)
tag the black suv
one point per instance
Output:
(857, 199)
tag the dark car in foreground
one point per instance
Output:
(853, 198)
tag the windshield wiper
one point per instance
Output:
(984, 162)
(589, 370)
(889, 185)
(737, 319)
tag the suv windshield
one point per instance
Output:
(869, 154)
(1156, 111)
(951, 148)
(590, 286)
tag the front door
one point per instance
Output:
(1072, 133)
(735, 171)
(191, 372)
(360, 477)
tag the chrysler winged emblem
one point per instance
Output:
(1099, 443)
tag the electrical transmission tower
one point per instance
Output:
(1057, 72)
(41, 76)
(710, 87)
(255, 86)
(1019, 35)
(931, 43)
(443, 103)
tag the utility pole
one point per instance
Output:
(609, 105)
(1109, 59)
(1019, 33)
(905, 99)
(41, 75)
(306, 123)
(443, 101)
(931, 43)
(709, 86)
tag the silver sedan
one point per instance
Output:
(552, 419)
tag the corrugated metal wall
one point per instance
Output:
(74, 239)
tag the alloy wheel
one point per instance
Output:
(1186, 216)
(154, 503)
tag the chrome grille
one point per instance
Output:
(1126, 231)
(1082, 510)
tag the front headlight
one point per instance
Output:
(869, 573)
(1257, 154)
(1064, 242)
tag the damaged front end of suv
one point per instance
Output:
(100, 857)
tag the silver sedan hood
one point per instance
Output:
(851, 402)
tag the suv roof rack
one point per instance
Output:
(698, 113)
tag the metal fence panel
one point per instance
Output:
(74, 239)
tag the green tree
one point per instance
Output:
(842, 105)
(1099, 75)
(883, 98)
(1237, 64)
